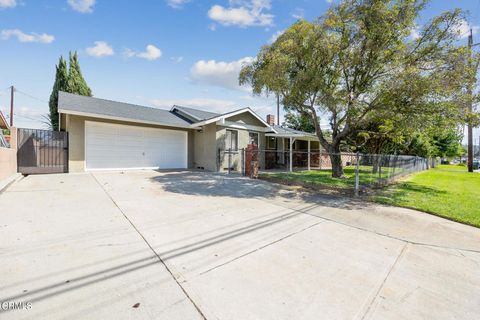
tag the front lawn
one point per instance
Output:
(447, 191)
(323, 178)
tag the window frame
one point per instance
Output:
(258, 137)
(232, 132)
(274, 141)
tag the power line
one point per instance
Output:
(30, 96)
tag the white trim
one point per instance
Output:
(231, 114)
(243, 126)
(100, 116)
(296, 136)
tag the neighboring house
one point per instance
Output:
(105, 134)
(3, 126)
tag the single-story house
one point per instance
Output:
(105, 134)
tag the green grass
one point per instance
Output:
(323, 178)
(447, 191)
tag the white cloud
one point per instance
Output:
(463, 29)
(176, 4)
(275, 36)
(242, 13)
(7, 4)
(212, 105)
(212, 27)
(261, 106)
(151, 53)
(24, 37)
(219, 73)
(329, 1)
(101, 49)
(415, 33)
(177, 59)
(83, 6)
(298, 13)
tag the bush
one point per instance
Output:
(462, 164)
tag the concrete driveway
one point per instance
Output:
(191, 245)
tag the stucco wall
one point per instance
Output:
(75, 125)
(205, 148)
(236, 160)
(246, 118)
(8, 157)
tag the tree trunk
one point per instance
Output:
(336, 159)
(376, 163)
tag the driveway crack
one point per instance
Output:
(262, 247)
(382, 284)
(302, 211)
(151, 248)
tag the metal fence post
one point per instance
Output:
(320, 159)
(229, 160)
(357, 173)
(244, 159)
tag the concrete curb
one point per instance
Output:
(5, 183)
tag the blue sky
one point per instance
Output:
(150, 52)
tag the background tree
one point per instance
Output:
(60, 84)
(358, 60)
(298, 122)
(67, 79)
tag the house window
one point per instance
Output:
(271, 143)
(253, 138)
(231, 140)
(287, 144)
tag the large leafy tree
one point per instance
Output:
(357, 61)
(60, 84)
(67, 79)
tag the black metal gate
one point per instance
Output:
(42, 151)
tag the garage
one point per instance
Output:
(116, 146)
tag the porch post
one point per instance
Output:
(291, 154)
(308, 143)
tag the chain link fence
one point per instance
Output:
(359, 172)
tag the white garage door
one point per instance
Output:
(113, 146)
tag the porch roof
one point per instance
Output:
(283, 132)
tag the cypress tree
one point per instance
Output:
(60, 84)
(76, 82)
(67, 79)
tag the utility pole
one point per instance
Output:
(12, 90)
(471, 84)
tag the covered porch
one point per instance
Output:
(290, 149)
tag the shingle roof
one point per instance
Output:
(289, 131)
(195, 114)
(72, 103)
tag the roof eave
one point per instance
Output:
(292, 135)
(108, 117)
(194, 118)
(3, 122)
(231, 114)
